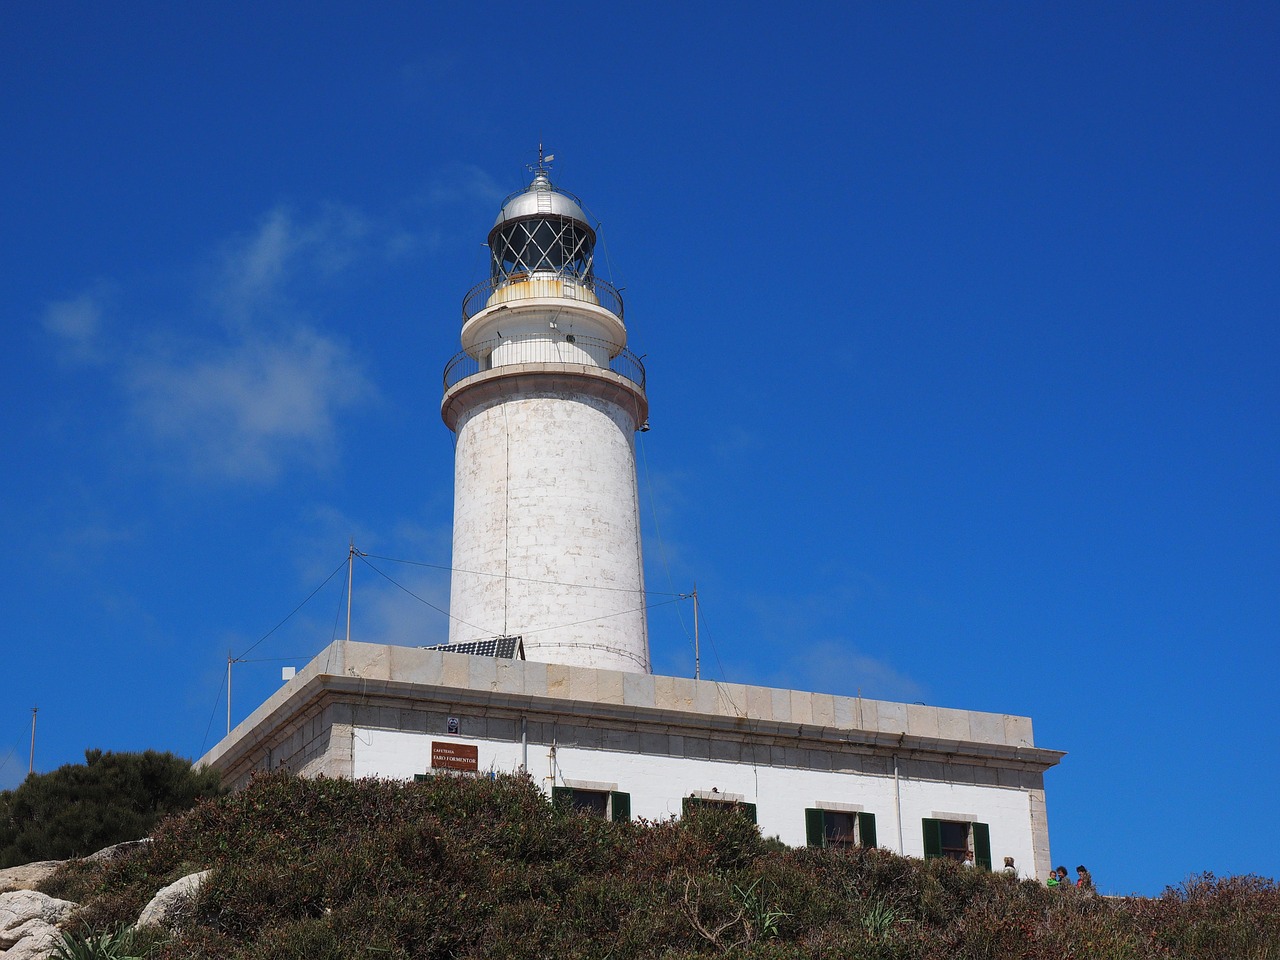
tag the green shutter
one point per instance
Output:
(749, 809)
(982, 844)
(562, 798)
(815, 832)
(932, 838)
(620, 807)
(867, 829)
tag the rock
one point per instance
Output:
(28, 876)
(118, 850)
(21, 906)
(171, 901)
(37, 941)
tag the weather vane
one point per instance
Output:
(544, 161)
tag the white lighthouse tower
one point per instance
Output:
(545, 400)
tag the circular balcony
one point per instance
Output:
(540, 285)
(584, 351)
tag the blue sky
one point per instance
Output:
(959, 320)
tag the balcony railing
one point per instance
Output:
(517, 287)
(587, 351)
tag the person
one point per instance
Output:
(1009, 868)
(1083, 880)
(1058, 878)
(968, 859)
(1053, 880)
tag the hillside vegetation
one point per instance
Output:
(468, 868)
(82, 807)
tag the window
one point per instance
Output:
(689, 804)
(605, 804)
(839, 828)
(954, 838)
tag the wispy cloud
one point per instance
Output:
(76, 326)
(831, 666)
(254, 274)
(245, 410)
(244, 381)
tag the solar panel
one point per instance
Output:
(500, 648)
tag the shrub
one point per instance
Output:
(471, 868)
(80, 808)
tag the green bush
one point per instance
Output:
(80, 808)
(469, 868)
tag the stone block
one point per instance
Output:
(890, 717)
(818, 759)
(760, 703)
(623, 741)
(986, 727)
(584, 684)
(922, 721)
(706, 697)
(1017, 731)
(456, 670)
(728, 750)
(781, 705)
(655, 744)
(954, 724)
(535, 679)
(732, 700)
(483, 673)
(610, 686)
(824, 709)
(801, 707)
(368, 660)
(508, 676)
(502, 728)
(844, 716)
(673, 693)
(637, 689)
(410, 665)
(697, 748)
(558, 681)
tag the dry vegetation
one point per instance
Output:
(470, 868)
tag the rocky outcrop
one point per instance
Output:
(30, 920)
(28, 923)
(118, 850)
(28, 876)
(169, 904)
(37, 942)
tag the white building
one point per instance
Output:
(547, 669)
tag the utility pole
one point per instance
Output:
(697, 652)
(351, 562)
(31, 763)
(230, 661)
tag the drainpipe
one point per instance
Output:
(897, 797)
(524, 744)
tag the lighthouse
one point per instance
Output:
(545, 400)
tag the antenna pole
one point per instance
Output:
(351, 562)
(31, 763)
(229, 662)
(697, 652)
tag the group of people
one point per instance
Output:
(1058, 878)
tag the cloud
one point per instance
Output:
(244, 410)
(830, 666)
(254, 273)
(76, 324)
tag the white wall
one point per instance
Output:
(546, 532)
(657, 784)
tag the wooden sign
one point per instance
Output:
(454, 756)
